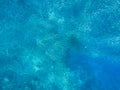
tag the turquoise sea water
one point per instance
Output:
(59, 44)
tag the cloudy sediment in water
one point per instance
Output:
(59, 44)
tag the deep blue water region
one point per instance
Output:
(59, 44)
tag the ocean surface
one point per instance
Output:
(59, 44)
